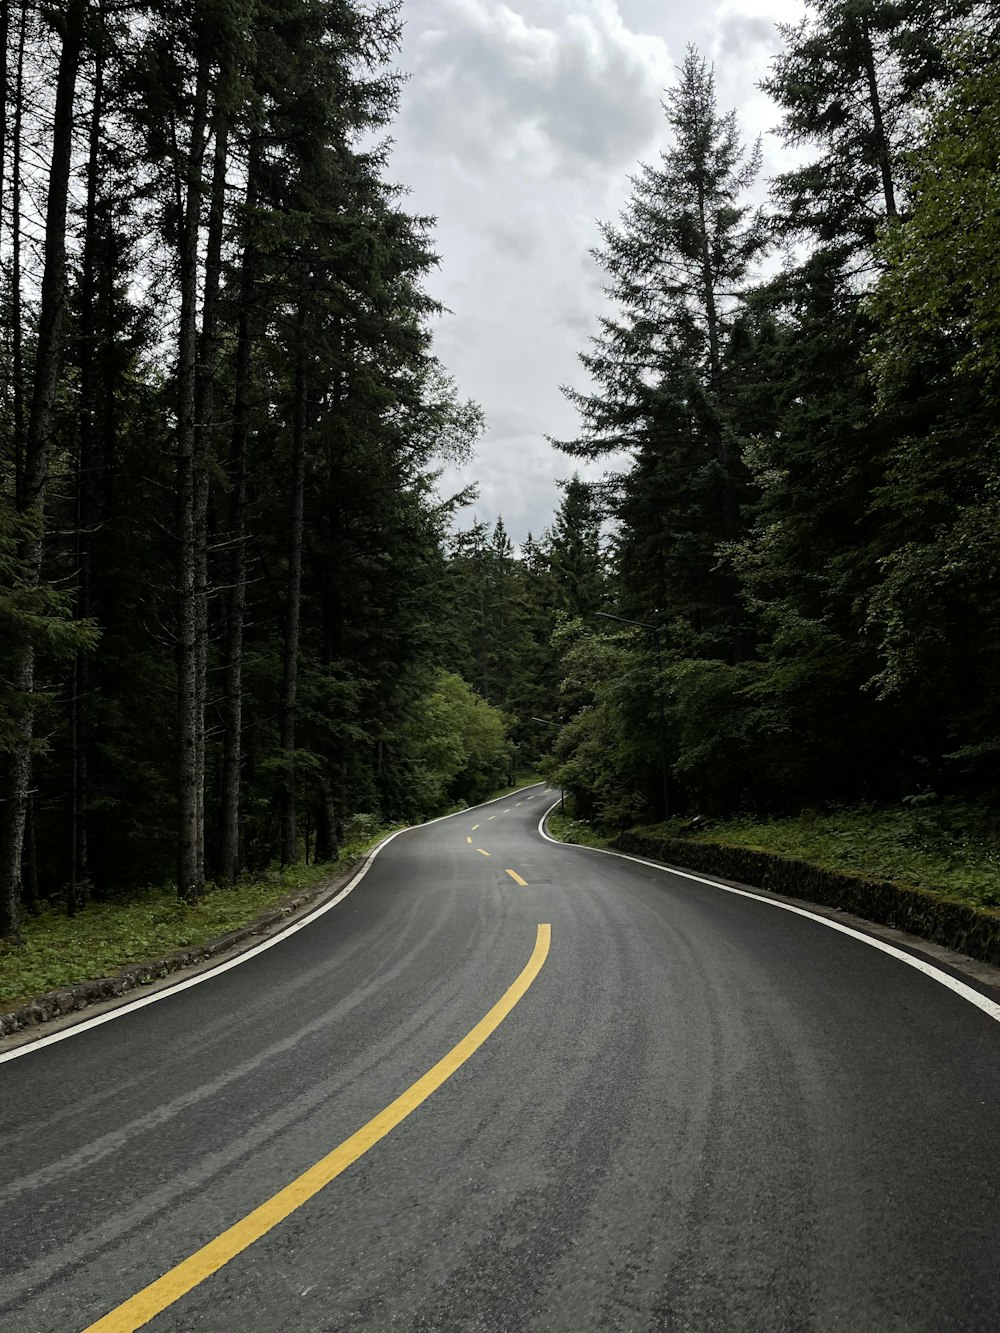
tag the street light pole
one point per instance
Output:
(656, 631)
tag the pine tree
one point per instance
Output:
(849, 83)
(33, 469)
(577, 565)
(933, 609)
(676, 267)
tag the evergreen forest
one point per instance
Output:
(236, 607)
(799, 407)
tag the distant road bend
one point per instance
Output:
(507, 1085)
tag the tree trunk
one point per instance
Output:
(729, 508)
(4, 94)
(17, 334)
(326, 823)
(232, 743)
(190, 826)
(36, 455)
(208, 358)
(72, 888)
(30, 889)
(87, 501)
(294, 593)
(878, 125)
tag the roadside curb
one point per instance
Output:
(959, 927)
(81, 995)
(970, 978)
(108, 997)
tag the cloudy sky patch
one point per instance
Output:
(518, 129)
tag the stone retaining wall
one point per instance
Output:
(969, 930)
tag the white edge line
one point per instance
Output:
(131, 1005)
(987, 1006)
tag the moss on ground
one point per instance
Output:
(952, 849)
(568, 829)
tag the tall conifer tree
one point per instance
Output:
(687, 242)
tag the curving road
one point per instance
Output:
(699, 1112)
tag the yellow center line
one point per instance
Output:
(517, 878)
(468, 840)
(481, 852)
(159, 1295)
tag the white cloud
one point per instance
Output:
(519, 128)
(546, 88)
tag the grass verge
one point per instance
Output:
(105, 937)
(568, 829)
(952, 849)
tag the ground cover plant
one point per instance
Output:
(105, 937)
(952, 848)
(567, 828)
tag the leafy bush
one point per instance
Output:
(459, 745)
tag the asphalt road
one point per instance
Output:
(704, 1113)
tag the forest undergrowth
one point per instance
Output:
(952, 848)
(106, 936)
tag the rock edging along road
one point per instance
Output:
(686, 1107)
(958, 926)
(68, 1000)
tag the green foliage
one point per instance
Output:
(805, 506)
(663, 366)
(458, 745)
(32, 613)
(567, 828)
(600, 755)
(848, 82)
(809, 515)
(933, 609)
(359, 828)
(107, 937)
(577, 568)
(952, 848)
(313, 343)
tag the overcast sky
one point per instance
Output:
(518, 130)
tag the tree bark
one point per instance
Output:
(232, 742)
(326, 823)
(17, 335)
(4, 95)
(36, 456)
(878, 125)
(294, 593)
(87, 501)
(30, 890)
(207, 369)
(190, 824)
(729, 509)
